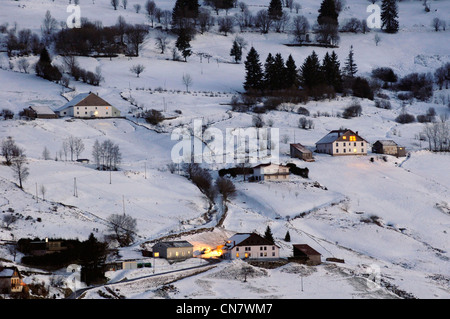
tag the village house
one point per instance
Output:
(388, 147)
(173, 250)
(342, 142)
(306, 254)
(88, 105)
(299, 151)
(250, 246)
(39, 112)
(10, 280)
(270, 172)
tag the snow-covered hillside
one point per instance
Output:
(390, 214)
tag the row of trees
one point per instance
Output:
(278, 75)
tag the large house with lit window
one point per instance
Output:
(342, 142)
(250, 246)
(88, 105)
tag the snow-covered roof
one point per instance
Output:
(174, 244)
(301, 148)
(7, 272)
(42, 109)
(74, 101)
(387, 142)
(236, 239)
(329, 138)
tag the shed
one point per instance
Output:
(306, 254)
(301, 152)
(388, 147)
(39, 112)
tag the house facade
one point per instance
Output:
(10, 280)
(388, 147)
(250, 246)
(270, 172)
(173, 250)
(342, 142)
(88, 105)
(299, 151)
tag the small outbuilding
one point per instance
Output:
(306, 254)
(301, 152)
(173, 250)
(39, 112)
(388, 147)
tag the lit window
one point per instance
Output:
(344, 137)
(237, 255)
(352, 138)
(354, 150)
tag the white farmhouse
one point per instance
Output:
(342, 142)
(250, 246)
(88, 105)
(270, 172)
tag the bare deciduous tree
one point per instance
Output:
(122, 228)
(137, 69)
(187, 81)
(162, 42)
(19, 167)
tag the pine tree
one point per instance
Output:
(389, 16)
(279, 73)
(269, 72)
(268, 234)
(236, 51)
(183, 43)
(310, 72)
(275, 9)
(331, 71)
(327, 13)
(350, 68)
(287, 237)
(185, 9)
(254, 72)
(291, 73)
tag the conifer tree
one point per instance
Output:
(275, 9)
(279, 73)
(310, 72)
(350, 68)
(291, 73)
(268, 234)
(327, 13)
(331, 71)
(269, 71)
(389, 16)
(287, 237)
(236, 51)
(254, 72)
(183, 43)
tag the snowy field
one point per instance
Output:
(393, 215)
